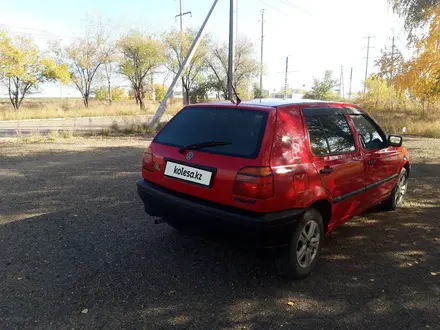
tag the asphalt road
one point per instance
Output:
(77, 251)
(12, 128)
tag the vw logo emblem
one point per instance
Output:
(189, 155)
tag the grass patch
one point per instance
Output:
(53, 136)
(73, 108)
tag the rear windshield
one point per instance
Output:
(243, 129)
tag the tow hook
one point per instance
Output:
(159, 221)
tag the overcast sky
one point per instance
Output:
(316, 34)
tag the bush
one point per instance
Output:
(118, 94)
(199, 93)
(161, 90)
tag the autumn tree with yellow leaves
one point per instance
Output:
(421, 74)
(23, 67)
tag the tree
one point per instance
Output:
(110, 59)
(322, 89)
(177, 45)
(85, 55)
(415, 13)
(257, 93)
(141, 54)
(246, 66)
(23, 68)
(390, 64)
(380, 95)
(421, 74)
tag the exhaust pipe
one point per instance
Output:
(159, 221)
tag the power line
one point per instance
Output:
(273, 7)
(38, 32)
(287, 2)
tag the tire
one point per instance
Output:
(398, 193)
(291, 264)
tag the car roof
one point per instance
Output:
(271, 103)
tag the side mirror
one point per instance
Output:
(395, 140)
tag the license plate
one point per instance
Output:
(188, 173)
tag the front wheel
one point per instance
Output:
(398, 193)
(304, 248)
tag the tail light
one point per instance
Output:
(147, 160)
(254, 182)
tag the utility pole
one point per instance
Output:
(341, 83)
(393, 50)
(181, 44)
(181, 15)
(285, 77)
(262, 48)
(236, 22)
(163, 105)
(231, 51)
(351, 80)
(366, 65)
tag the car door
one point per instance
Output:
(338, 161)
(382, 160)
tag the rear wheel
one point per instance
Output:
(398, 193)
(304, 248)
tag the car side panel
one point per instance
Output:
(383, 166)
(296, 181)
(346, 183)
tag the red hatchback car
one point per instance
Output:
(279, 173)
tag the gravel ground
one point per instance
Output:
(77, 251)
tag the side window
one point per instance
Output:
(330, 135)
(318, 141)
(371, 136)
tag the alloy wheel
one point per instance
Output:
(308, 244)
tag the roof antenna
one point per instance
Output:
(236, 95)
(238, 100)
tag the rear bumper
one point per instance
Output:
(257, 229)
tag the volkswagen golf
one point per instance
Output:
(280, 174)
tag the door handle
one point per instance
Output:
(326, 170)
(371, 162)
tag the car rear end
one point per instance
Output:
(210, 167)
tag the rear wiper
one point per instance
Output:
(201, 145)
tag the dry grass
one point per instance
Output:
(394, 122)
(71, 108)
(36, 136)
